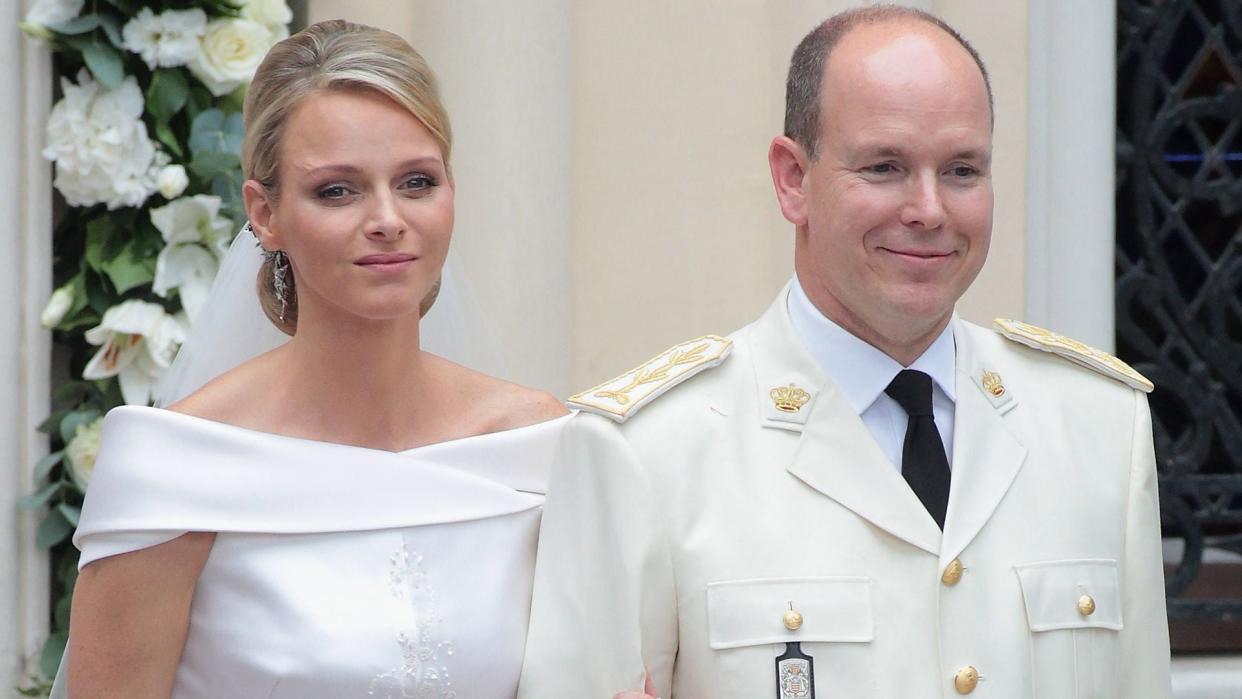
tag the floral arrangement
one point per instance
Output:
(145, 140)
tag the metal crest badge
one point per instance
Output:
(795, 674)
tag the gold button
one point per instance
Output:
(966, 680)
(952, 573)
(793, 620)
(1086, 605)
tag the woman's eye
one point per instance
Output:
(335, 191)
(419, 182)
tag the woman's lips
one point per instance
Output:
(386, 262)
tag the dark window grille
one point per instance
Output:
(1179, 289)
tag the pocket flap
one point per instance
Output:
(752, 612)
(1071, 594)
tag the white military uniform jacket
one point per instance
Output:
(679, 540)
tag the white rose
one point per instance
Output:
(100, 145)
(273, 14)
(166, 40)
(57, 306)
(230, 52)
(82, 451)
(52, 12)
(172, 181)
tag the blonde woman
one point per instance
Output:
(345, 515)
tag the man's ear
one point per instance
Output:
(259, 210)
(789, 164)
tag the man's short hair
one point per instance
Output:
(806, 68)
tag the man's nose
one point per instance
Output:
(924, 207)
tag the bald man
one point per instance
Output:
(860, 494)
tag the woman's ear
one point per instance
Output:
(789, 164)
(259, 210)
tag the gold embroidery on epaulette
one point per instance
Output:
(646, 373)
(1053, 339)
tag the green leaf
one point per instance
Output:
(98, 234)
(68, 570)
(39, 498)
(60, 616)
(165, 134)
(127, 271)
(53, 529)
(53, 651)
(72, 392)
(105, 64)
(113, 30)
(71, 513)
(213, 131)
(207, 165)
(75, 419)
(51, 424)
(77, 25)
(167, 94)
(46, 464)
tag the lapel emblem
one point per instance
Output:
(789, 399)
(992, 384)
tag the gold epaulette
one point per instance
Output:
(621, 397)
(1073, 350)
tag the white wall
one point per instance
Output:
(25, 282)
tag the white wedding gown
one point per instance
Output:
(337, 571)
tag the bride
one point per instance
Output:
(345, 515)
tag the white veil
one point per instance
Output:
(231, 328)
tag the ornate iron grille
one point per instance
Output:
(1179, 287)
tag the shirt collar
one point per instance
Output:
(861, 371)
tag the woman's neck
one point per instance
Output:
(358, 381)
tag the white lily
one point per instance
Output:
(137, 342)
(195, 238)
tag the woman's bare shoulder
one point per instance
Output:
(234, 397)
(499, 404)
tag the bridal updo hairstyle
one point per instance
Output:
(329, 55)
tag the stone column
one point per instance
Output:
(25, 355)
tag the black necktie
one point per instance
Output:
(923, 462)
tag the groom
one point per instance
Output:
(860, 494)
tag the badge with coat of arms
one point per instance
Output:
(795, 674)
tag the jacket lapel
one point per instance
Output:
(835, 454)
(986, 454)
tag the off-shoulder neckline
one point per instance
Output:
(164, 413)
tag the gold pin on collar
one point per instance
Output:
(992, 384)
(789, 399)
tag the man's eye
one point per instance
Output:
(881, 169)
(963, 171)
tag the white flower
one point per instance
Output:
(100, 145)
(82, 451)
(274, 15)
(137, 342)
(231, 51)
(165, 40)
(57, 306)
(196, 240)
(52, 12)
(172, 181)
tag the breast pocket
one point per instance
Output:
(1073, 609)
(747, 630)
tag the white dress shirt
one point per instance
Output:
(862, 372)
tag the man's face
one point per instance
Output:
(898, 203)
